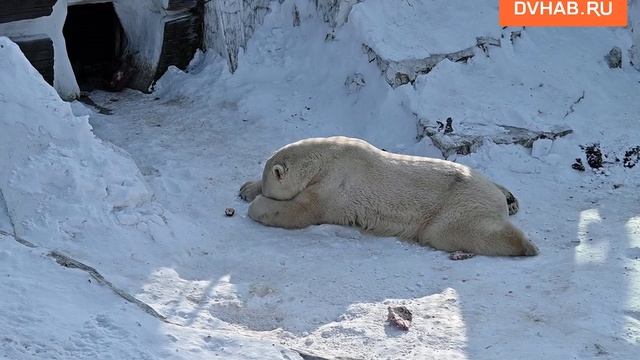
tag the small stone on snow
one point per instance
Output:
(400, 317)
(461, 255)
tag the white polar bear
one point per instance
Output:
(347, 181)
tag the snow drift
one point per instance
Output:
(64, 189)
(55, 171)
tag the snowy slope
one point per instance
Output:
(324, 290)
(416, 29)
(534, 81)
(50, 312)
(64, 190)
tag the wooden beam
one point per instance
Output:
(181, 4)
(182, 37)
(39, 52)
(13, 10)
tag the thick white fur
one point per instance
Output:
(347, 181)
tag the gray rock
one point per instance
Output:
(229, 24)
(353, 83)
(400, 317)
(335, 12)
(515, 35)
(398, 73)
(467, 137)
(614, 58)
(296, 16)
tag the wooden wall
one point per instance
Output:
(182, 37)
(183, 34)
(181, 4)
(13, 10)
(39, 52)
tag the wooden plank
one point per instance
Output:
(181, 4)
(39, 52)
(13, 10)
(182, 37)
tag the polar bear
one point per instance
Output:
(347, 181)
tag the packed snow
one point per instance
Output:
(140, 195)
(416, 29)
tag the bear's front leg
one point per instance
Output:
(250, 190)
(296, 213)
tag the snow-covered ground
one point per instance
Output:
(151, 218)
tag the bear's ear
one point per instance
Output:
(278, 171)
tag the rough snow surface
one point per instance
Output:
(534, 82)
(325, 290)
(49, 312)
(417, 29)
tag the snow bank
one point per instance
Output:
(57, 178)
(64, 189)
(411, 37)
(49, 312)
(416, 29)
(532, 82)
(301, 57)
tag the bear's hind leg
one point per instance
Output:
(493, 237)
(504, 240)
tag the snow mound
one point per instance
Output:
(362, 324)
(416, 29)
(64, 189)
(54, 168)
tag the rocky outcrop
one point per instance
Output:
(335, 12)
(230, 23)
(427, 37)
(401, 72)
(467, 137)
(614, 58)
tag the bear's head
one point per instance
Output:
(289, 171)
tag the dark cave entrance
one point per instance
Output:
(95, 42)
